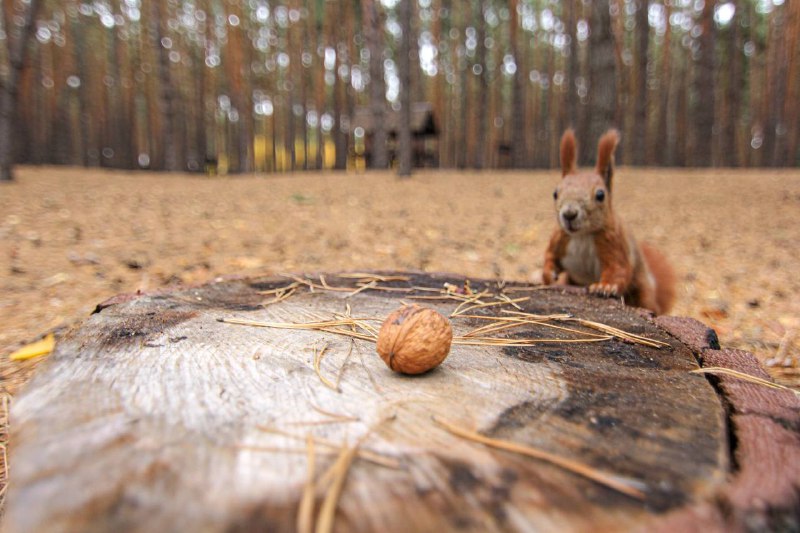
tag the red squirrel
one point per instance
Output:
(591, 245)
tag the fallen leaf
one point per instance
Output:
(35, 349)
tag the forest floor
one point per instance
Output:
(71, 238)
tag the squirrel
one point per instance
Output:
(591, 245)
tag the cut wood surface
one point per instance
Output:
(161, 414)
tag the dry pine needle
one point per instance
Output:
(629, 487)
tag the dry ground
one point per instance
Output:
(70, 238)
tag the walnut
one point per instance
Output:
(414, 339)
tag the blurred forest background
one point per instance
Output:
(257, 85)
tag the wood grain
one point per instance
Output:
(155, 416)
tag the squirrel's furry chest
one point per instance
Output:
(581, 261)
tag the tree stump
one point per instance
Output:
(160, 414)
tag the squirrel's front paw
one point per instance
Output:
(549, 275)
(604, 289)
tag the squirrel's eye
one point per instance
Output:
(600, 195)
(555, 194)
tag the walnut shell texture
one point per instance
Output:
(414, 339)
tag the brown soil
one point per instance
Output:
(71, 238)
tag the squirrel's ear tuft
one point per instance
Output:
(605, 155)
(569, 152)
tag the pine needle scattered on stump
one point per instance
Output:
(513, 342)
(338, 474)
(361, 328)
(329, 326)
(629, 487)
(305, 512)
(365, 454)
(717, 370)
(318, 354)
(507, 301)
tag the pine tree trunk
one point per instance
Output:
(678, 144)
(462, 102)
(404, 66)
(201, 148)
(704, 103)
(308, 42)
(660, 150)
(625, 98)
(573, 65)
(639, 131)
(8, 98)
(776, 126)
(340, 137)
(602, 77)
(481, 110)
(518, 131)
(9, 91)
(792, 103)
(377, 87)
(166, 94)
(729, 122)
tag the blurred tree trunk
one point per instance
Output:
(200, 150)
(33, 149)
(792, 102)
(16, 51)
(602, 78)
(140, 141)
(125, 52)
(659, 148)
(518, 132)
(352, 56)
(241, 91)
(462, 92)
(62, 146)
(543, 144)
(625, 80)
(450, 129)
(642, 40)
(573, 66)
(757, 87)
(555, 108)
(301, 82)
(483, 86)
(777, 66)
(82, 92)
(293, 50)
(440, 28)
(168, 159)
(730, 150)
(340, 136)
(703, 110)
(681, 124)
(377, 87)
(404, 147)
(321, 23)
(116, 120)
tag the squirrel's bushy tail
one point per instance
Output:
(665, 278)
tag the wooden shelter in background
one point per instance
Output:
(424, 133)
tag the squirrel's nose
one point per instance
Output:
(569, 214)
